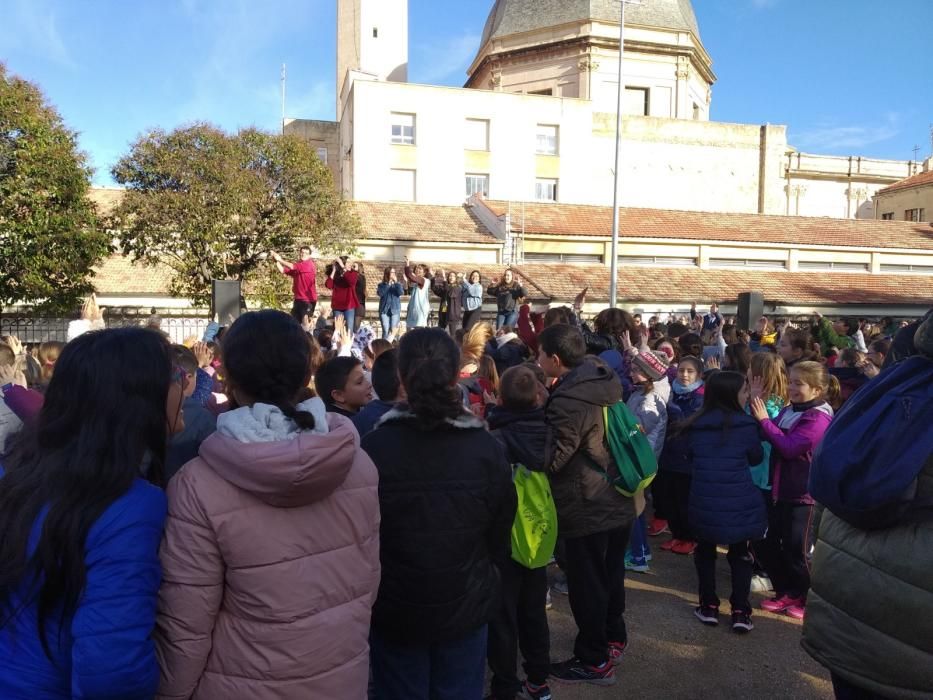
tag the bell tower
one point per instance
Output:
(372, 38)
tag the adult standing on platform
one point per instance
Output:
(450, 312)
(341, 280)
(507, 293)
(472, 300)
(304, 281)
(419, 303)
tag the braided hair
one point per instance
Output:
(268, 356)
(429, 365)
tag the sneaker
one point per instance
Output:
(707, 614)
(797, 611)
(658, 527)
(548, 604)
(560, 587)
(669, 545)
(637, 565)
(779, 604)
(616, 650)
(534, 692)
(742, 621)
(684, 547)
(575, 671)
(761, 584)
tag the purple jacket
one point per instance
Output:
(25, 403)
(792, 455)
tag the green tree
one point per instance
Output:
(210, 205)
(49, 239)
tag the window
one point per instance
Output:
(915, 269)
(545, 190)
(888, 216)
(564, 258)
(635, 101)
(375, 32)
(402, 185)
(750, 263)
(915, 215)
(547, 139)
(477, 184)
(403, 128)
(834, 266)
(696, 111)
(657, 260)
(322, 153)
(477, 135)
(547, 91)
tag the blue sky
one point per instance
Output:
(850, 77)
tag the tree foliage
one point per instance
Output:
(210, 205)
(49, 239)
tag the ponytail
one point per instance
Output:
(429, 364)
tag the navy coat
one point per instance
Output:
(676, 454)
(725, 505)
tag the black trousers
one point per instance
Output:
(658, 490)
(676, 504)
(300, 309)
(471, 318)
(740, 562)
(521, 622)
(785, 551)
(596, 583)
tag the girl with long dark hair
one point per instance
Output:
(81, 512)
(342, 281)
(725, 505)
(472, 300)
(270, 558)
(507, 292)
(447, 506)
(390, 293)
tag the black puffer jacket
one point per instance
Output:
(523, 434)
(576, 448)
(447, 505)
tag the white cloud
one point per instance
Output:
(32, 26)
(445, 60)
(833, 136)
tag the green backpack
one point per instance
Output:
(534, 531)
(636, 465)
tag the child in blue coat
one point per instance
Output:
(725, 504)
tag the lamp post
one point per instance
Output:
(614, 262)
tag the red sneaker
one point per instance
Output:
(658, 527)
(684, 547)
(669, 545)
(796, 611)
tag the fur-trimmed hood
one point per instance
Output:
(402, 413)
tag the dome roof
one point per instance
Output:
(515, 16)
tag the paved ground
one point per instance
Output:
(672, 656)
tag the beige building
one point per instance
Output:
(536, 120)
(910, 199)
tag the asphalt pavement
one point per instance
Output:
(673, 656)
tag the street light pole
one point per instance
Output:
(616, 179)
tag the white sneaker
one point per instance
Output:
(761, 584)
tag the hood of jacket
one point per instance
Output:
(523, 433)
(593, 382)
(261, 451)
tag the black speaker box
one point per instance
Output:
(225, 300)
(751, 307)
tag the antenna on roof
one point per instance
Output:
(283, 97)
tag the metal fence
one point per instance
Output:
(38, 329)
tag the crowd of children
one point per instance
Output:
(295, 510)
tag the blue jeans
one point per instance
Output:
(441, 671)
(506, 319)
(349, 314)
(389, 323)
(638, 544)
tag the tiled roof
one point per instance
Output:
(421, 222)
(912, 181)
(582, 220)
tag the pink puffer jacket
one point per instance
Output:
(270, 567)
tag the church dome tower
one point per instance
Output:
(570, 48)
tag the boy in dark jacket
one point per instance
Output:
(518, 424)
(388, 389)
(594, 519)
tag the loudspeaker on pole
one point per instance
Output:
(751, 307)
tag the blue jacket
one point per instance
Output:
(390, 298)
(676, 454)
(105, 650)
(725, 505)
(370, 415)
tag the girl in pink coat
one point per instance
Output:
(271, 550)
